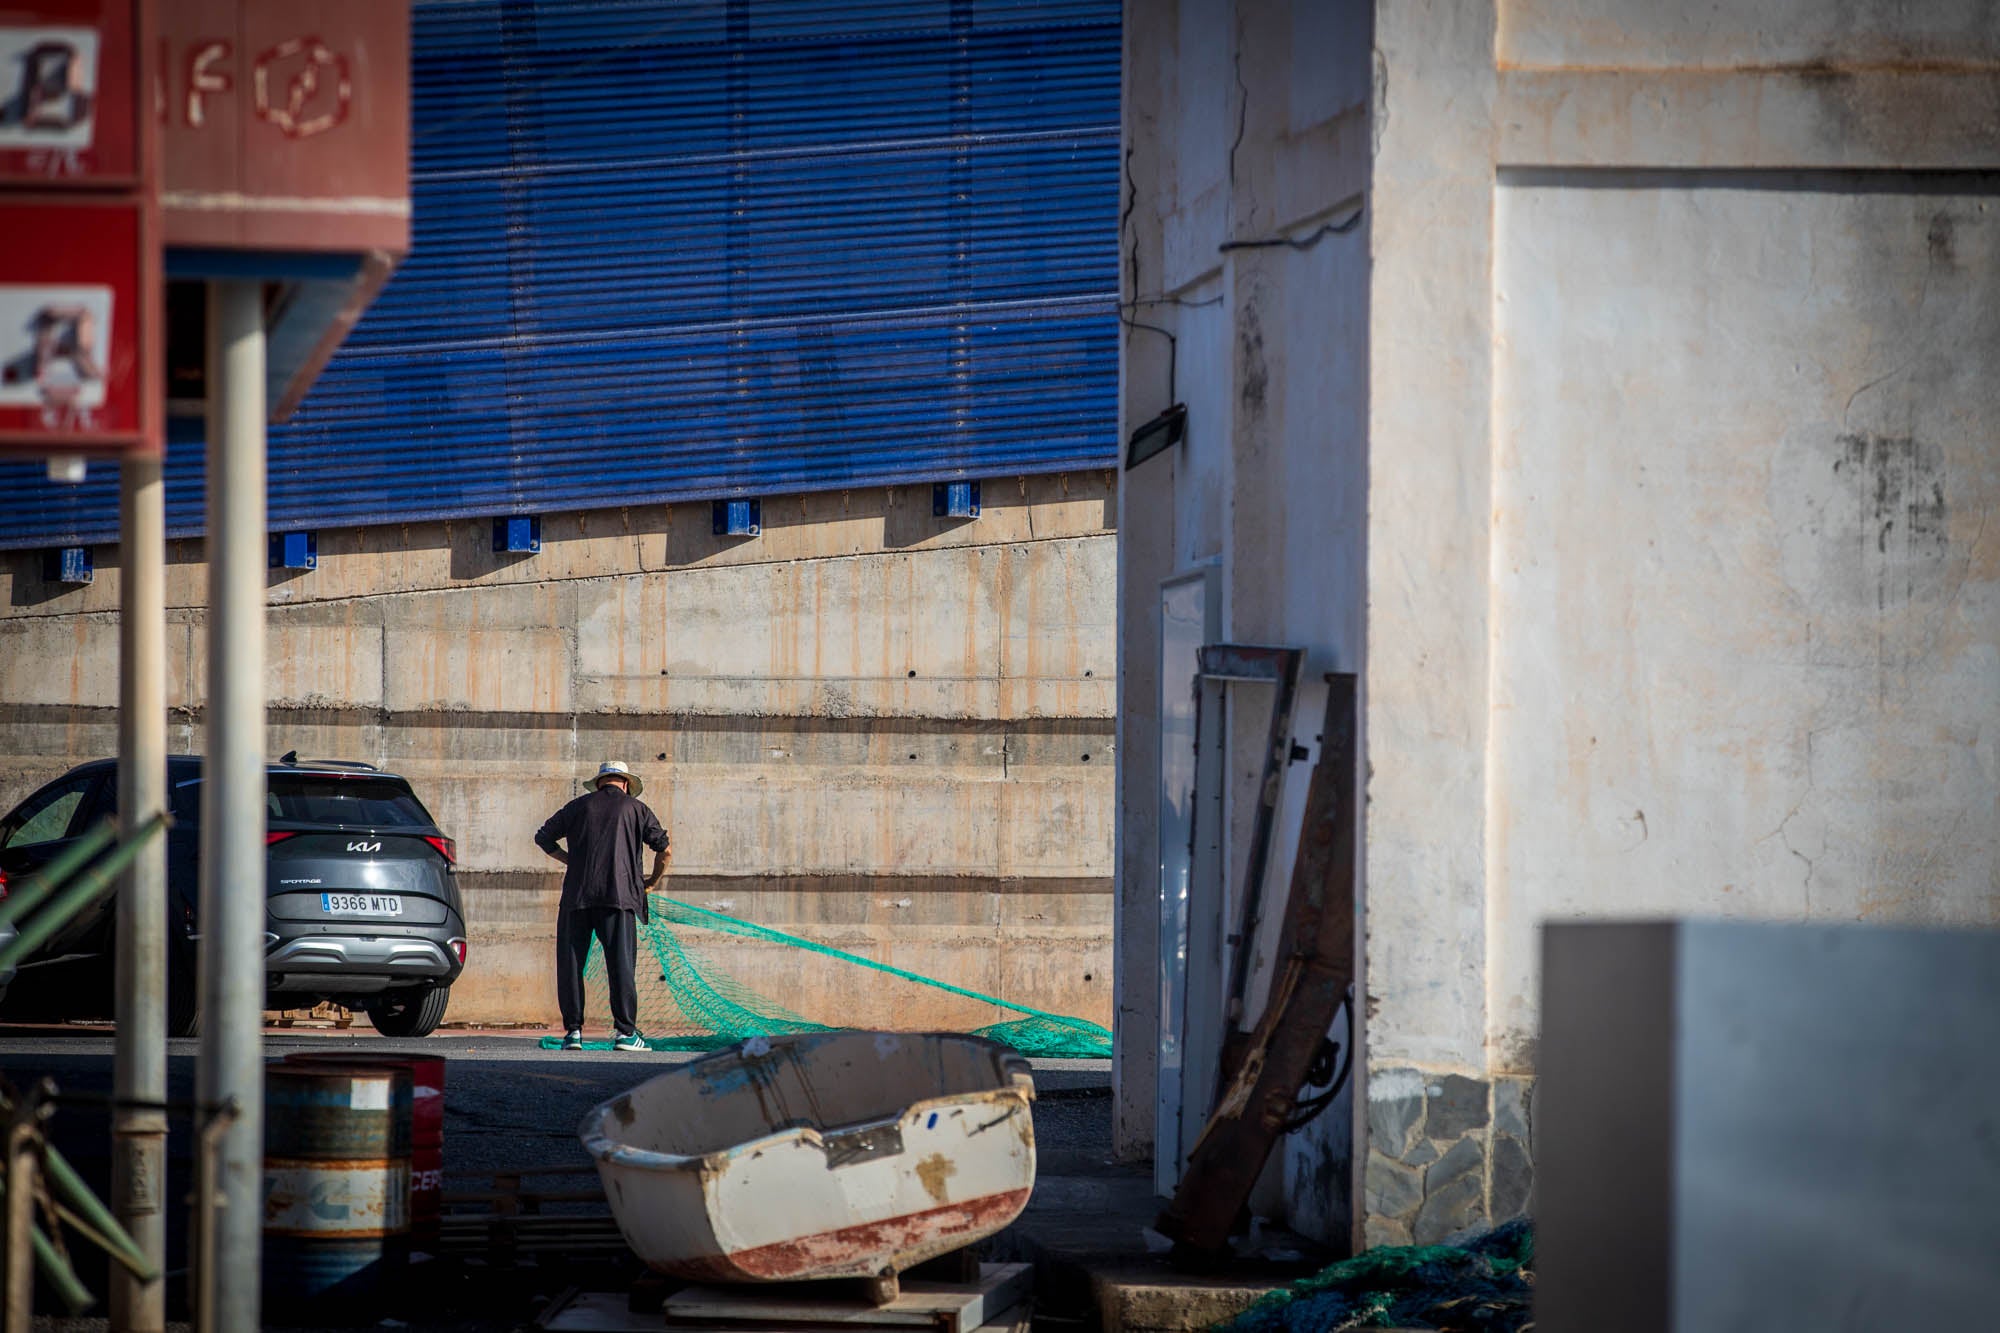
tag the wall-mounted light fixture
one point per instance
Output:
(517, 534)
(955, 499)
(1157, 436)
(738, 518)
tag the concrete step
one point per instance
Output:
(1155, 1301)
(1097, 1266)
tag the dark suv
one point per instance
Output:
(363, 907)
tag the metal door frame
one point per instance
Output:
(1183, 964)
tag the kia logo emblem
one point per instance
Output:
(364, 846)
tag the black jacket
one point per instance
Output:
(606, 831)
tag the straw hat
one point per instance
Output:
(611, 768)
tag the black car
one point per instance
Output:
(362, 903)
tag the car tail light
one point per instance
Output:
(3, 886)
(449, 851)
(270, 838)
(458, 948)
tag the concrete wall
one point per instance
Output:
(1247, 161)
(1678, 366)
(885, 731)
(1689, 335)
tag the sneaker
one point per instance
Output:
(630, 1041)
(573, 1039)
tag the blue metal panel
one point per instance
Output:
(690, 249)
(517, 535)
(955, 499)
(294, 550)
(738, 518)
(70, 564)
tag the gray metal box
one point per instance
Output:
(1761, 1126)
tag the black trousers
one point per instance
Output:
(618, 932)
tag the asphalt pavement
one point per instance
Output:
(509, 1104)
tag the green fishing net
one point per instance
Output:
(690, 998)
(1484, 1284)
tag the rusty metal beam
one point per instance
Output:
(1315, 970)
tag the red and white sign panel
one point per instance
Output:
(251, 125)
(68, 93)
(286, 126)
(79, 251)
(70, 280)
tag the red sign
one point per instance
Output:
(80, 288)
(286, 126)
(71, 276)
(274, 125)
(68, 94)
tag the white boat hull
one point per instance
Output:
(848, 1154)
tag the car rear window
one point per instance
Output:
(308, 798)
(364, 802)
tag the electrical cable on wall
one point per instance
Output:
(1340, 228)
(1330, 1067)
(1173, 348)
(1173, 344)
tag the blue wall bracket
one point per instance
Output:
(738, 518)
(71, 564)
(294, 550)
(519, 534)
(955, 499)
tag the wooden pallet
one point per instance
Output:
(999, 1302)
(499, 1239)
(999, 1298)
(325, 1014)
(596, 1312)
(505, 1222)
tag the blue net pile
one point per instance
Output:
(1483, 1286)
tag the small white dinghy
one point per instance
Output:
(820, 1155)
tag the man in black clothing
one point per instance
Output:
(602, 892)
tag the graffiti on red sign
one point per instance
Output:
(56, 163)
(301, 87)
(312, 72)
(49, 96)
(59, 368)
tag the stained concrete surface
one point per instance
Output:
(885, 733)
(1653, 380)
(511, 1104)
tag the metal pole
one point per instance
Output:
(139, 1137)
(21, 1217)
(232, 912)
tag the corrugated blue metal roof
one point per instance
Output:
(671, 250)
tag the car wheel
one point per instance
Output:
(410, 1013)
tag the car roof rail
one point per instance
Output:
(291, 760)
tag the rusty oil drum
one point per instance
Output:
(426, 1130)
(336, 1182)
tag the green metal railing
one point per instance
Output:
(72, 891)
(36, 1178)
